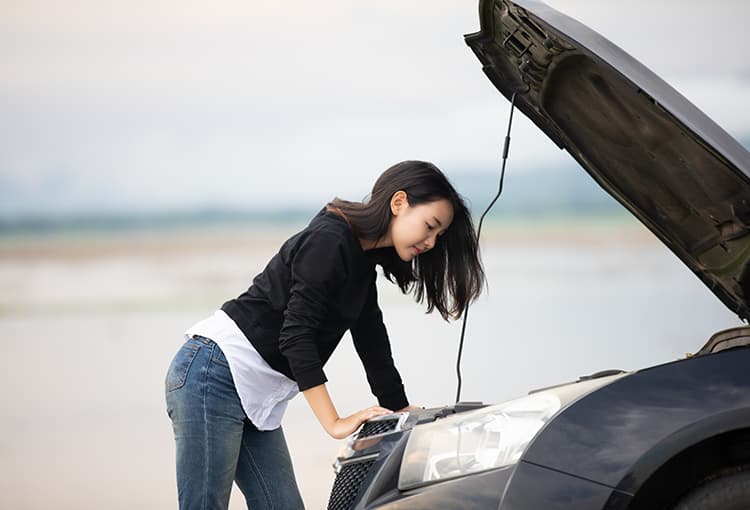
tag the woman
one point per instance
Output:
(229, 384)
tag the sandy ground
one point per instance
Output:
(90, 323)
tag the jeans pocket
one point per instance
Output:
(178, 370)
(219, 357)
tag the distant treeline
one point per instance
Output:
(154, 220)
(525, 194)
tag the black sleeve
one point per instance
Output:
(374, 349)
(317, 269)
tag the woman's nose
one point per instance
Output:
(430, 242)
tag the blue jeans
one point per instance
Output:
(216, 443)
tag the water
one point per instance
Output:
(90, 324)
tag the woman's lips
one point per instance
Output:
(417, 250)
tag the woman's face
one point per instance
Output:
(414, 229)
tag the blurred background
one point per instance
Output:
(154, 155)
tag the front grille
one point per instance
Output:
(347, 484)
(372, 428)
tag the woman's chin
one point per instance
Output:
(406, 257)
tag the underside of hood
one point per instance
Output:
(669, 164)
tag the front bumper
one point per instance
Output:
(367, 471)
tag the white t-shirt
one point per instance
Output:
(264, 392)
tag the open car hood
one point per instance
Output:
(663, 159)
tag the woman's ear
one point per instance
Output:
(399, 202)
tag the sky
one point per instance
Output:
(166, 104)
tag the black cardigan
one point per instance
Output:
(319, 284)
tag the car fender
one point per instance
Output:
(621, 433)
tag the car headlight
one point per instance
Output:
(488, 438)
(465, 443)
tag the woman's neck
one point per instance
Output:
(366, 244)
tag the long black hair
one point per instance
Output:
(450, 275)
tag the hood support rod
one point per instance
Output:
(506, 148)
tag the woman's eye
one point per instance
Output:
(429, 227)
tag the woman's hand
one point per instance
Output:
(344, 427)
(338, 428)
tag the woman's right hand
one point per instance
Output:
(338, 428)
(343, 427)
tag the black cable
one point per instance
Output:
(479, 232)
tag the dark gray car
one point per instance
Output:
(675, 435)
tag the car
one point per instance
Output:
(676, 435)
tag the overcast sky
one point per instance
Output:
(174, 104)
